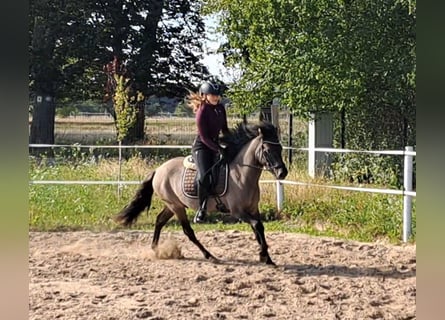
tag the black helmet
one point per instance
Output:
(210, 88)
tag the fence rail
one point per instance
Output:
(407, 191)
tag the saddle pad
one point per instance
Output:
(189, 184)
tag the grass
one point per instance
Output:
(316, 211)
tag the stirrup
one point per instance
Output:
(200, 216)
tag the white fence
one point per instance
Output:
(407, 191)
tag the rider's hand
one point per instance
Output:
(223, 152)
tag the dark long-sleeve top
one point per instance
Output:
(210, 120)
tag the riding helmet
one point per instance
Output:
(210, 88)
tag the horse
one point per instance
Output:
(252, 148)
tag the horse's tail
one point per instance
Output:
(141, 200)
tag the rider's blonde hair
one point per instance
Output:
(194, 100)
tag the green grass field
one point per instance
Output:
(316, 211)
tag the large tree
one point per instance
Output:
(351, 57)
(127, 32)
(45, 75)
(63, 61)
(157, 41)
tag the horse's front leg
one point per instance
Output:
(258, 229)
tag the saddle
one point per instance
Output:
(220, 174)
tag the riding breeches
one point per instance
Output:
(204, 160)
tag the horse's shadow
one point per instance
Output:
(308, 270)
(350, 272)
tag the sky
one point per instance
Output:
(214, 61)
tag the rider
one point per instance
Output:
(211, 119)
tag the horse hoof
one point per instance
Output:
(214, 260)
(271, 263)
(211, 258)
(267, 260)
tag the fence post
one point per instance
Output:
(119, 175)
(280, 195)
(407, 199)
(311, 146)
(289, 141)
(320, 131)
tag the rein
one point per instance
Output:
(271, 142)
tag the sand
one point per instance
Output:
(116, 275)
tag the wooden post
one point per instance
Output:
(270, 113)
(275, 116)
(289, 141)
(320, 136)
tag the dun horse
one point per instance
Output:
(252, 148)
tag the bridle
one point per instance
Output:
(267, 156)
(261, 153)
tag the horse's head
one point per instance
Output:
(269, 151)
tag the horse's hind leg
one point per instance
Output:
(161, 220)
(182, 217)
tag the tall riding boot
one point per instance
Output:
(201, 214)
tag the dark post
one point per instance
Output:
(289, 144)
(266, 114)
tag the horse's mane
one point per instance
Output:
(242, 133)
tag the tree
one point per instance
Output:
(124, 101)
(160, 45)
(80, 37)
(44, 75)
(385, 116)
(355, 57)
(61, 65)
